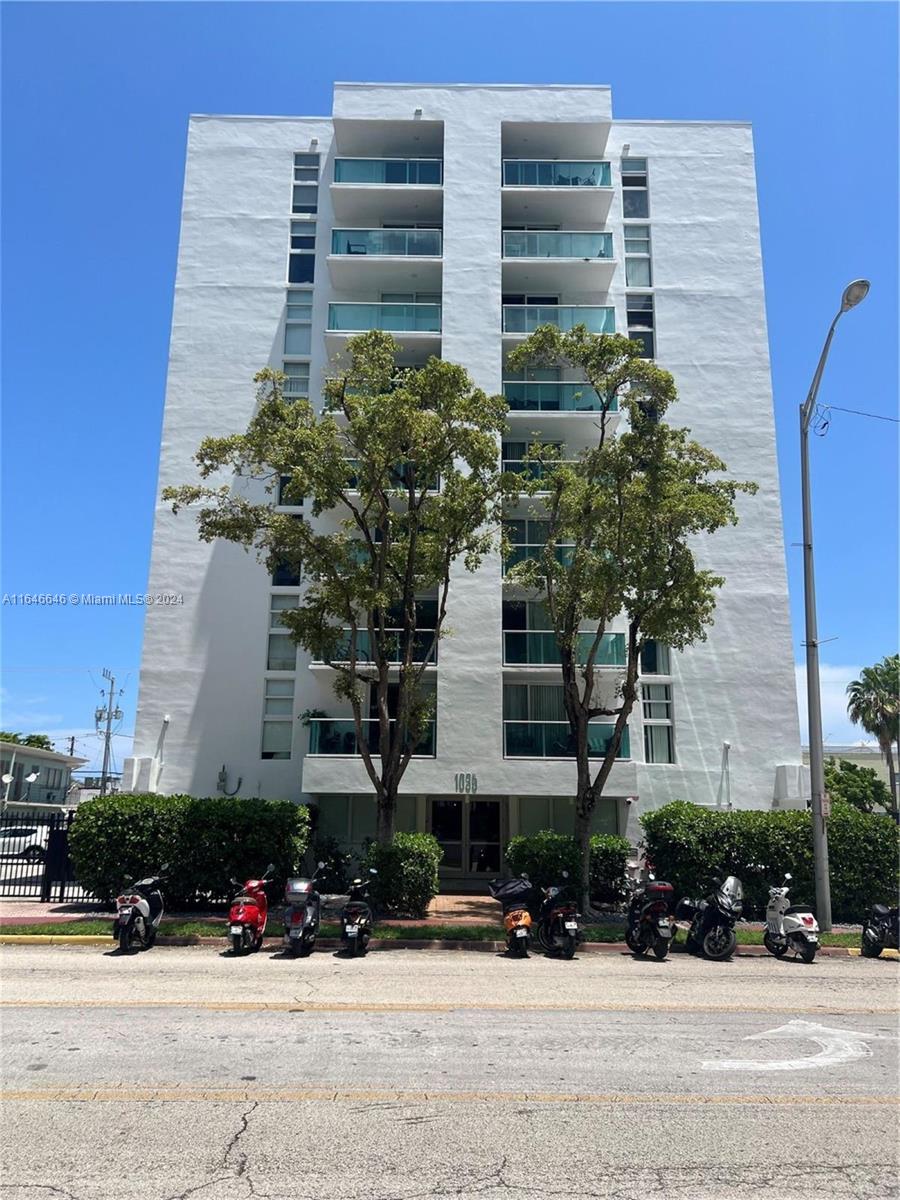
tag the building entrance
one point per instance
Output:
(470, 832)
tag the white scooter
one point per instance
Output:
(139, 912)
(790, 926)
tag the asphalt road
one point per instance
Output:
(413, 1074)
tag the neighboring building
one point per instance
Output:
(53, 775)
(861, 754)
(460, 217)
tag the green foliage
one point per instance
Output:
(204, 842)
(37, 741)
(874, 703)
(858, 786)
(372, 457)
(545, 855)
(407, 879)
(687, 844)
(334, 877)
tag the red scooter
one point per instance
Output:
(247, 918)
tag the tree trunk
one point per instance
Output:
(892, 776)
(583, 838)
(386, 815)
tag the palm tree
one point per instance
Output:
(874, 703)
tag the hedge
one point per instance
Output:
(204, 841)
(687, 844)
(545, 855)
(407, 879)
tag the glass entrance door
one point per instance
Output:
(470, 834)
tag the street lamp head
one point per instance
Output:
(853, 293)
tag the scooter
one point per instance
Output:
(712, 920)
(649, 927)
(514, 895)
(557, 926)
(356, 918)
(301, 916)
(881, 930)
(790, 926)
(139, 913)
(248, 913)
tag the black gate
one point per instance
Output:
(34, 856)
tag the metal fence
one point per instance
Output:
(34, 856)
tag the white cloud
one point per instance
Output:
(837, 728)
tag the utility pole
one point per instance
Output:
(108, 713)
(72, 746)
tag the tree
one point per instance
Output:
(37, 741)
(856, 785)
(408, 459)
(874, 703)
(621, 522)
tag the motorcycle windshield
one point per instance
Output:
(732, 892)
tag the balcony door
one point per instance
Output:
(470, 832)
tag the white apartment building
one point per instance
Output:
(460, 217)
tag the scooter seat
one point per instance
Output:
(798, 908)
(880, 910)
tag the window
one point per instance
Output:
(634, 188)
(297, 383)
(305, 199)
(279, 605)
(286, 575)
(410, 297)
(637, 272)
(287, 496)
(282, 654)
(637, 239)
(655, 658)
(302, 268)
(299, 306)
(306, 166)
(641, 321)
(302, 261)
(656, 701)
(278, 718)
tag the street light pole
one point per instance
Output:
(853, 294)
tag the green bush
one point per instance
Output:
(204, 842)
(687, 844)
(335, 876)
(545, 855)
(407, 879)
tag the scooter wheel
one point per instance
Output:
(661, 947)
(571, 942)
(867, 949)
(237, 944)
(719, 944)
(807, 951)
(126, 937)
(305, 948)
(773, 947)
(632, 942)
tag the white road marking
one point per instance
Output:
(838, 1046)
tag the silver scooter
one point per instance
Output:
(790, 926)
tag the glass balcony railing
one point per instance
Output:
(529, 550)
(525, 318)
(331, 735)
(424, 647)
(553, 396)
(554, 739)
(531, 469)
(519, 172)
(389, 170)
(546, 244)
(398, 318)
(538, 648)
(396, 243)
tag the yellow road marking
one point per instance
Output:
(857, 953)
(313, 1006)
(175, 1092)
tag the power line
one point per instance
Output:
(858, 413)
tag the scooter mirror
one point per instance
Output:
(787, 877)
(234, 882)
(372, 871)
(164, 869)
(716, 880)
(321, 866)
(270, 868)
(524, 875)
(565, 874)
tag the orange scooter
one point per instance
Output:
(513, 895)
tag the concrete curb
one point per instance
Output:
(50, 939)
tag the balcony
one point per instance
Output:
(554, 739)
(538, 648)
(522, 319)
(424, 647)
(557, 260)
(553, 396)
(547, 189)
(532, 469)
(407, 188)
(524, 551)
(337, 736)
(390, 259)
(415, 326)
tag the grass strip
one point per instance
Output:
(415, 933)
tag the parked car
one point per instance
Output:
(24, 841)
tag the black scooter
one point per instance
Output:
(881, 930)
(557, 928)
(356, 917)
(712, 920)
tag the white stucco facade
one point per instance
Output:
(204, 669)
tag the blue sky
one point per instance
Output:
(95, 105)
